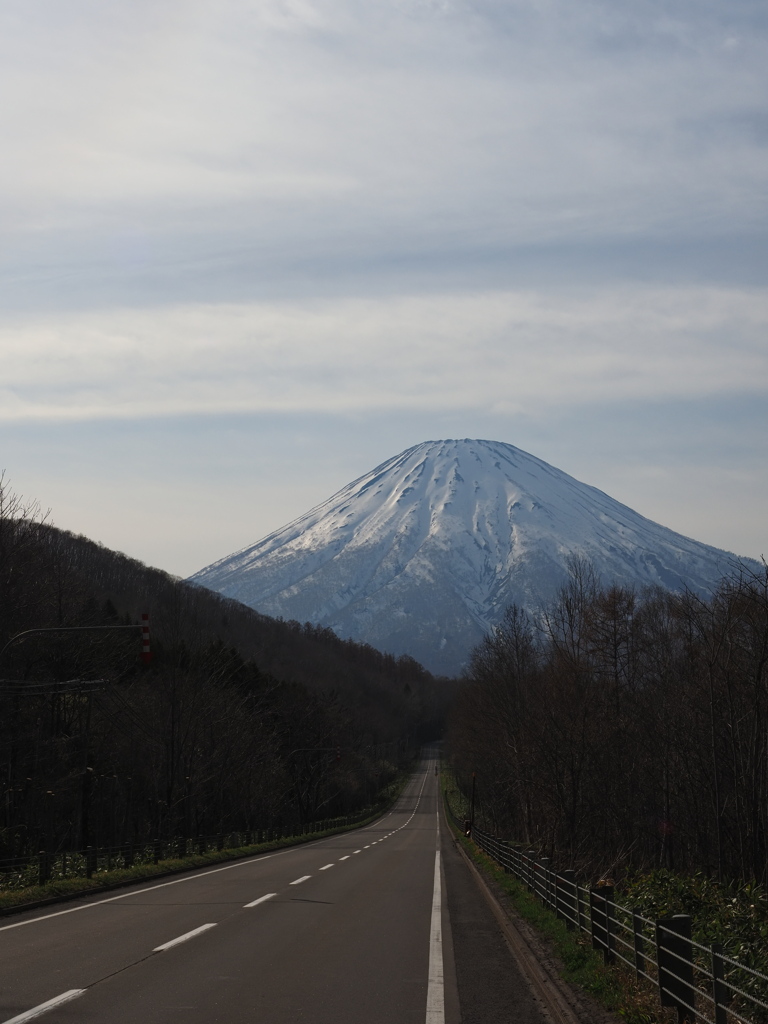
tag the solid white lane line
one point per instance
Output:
(326, 866)
(65, 997)
(435, 983)
(261, 899)
(344, 858)
(298, 881)
(183, 938)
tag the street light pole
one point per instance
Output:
(146, 654)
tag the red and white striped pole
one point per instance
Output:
(146, 653)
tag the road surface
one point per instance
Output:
(355, 928)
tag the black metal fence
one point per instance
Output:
(22, 872)
(700, 982)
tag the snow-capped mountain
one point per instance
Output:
(422, 555)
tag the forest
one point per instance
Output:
(238, 721)
(621, 732)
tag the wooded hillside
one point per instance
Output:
(239, 721)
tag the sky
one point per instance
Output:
(250, 249)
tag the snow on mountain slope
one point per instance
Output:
(422, 555)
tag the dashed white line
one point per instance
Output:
(246, 862)
(357, 851)
(261, 899)
(36, 1011)
(298, 881)
(344, 858)
(183, 938)
(326, 866)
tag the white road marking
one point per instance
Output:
(435, 982)
(183, 938)
(298, 881)
(326, 866)
(245, 862)
(357, 851)
(344, 858)
(261, 899)
(36, 1011)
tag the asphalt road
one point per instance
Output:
(355, 928)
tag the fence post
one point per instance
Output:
(582, 897)
(610, 924)
(721, 992)
(544, 894)
(91, 860)
(673, 941)
(42, 867)
(506, 851)
(156, 850)
(569, 897)
(639, 944)
(602, 925)
(531, 867)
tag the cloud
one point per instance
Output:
(422, 217)
(507, 351)
(398, 129)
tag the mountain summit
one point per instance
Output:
(422, 555)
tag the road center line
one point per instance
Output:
(261, 899)
(183, 938)
(36, 1011)
(326, 866)
(344, 858)
(298, 881)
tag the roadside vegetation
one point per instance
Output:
(19, 890)
(578, 964)
(623, 733)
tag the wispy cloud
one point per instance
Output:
(167, 134)
(505, 351)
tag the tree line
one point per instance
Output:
(239, 722)
(621, 730)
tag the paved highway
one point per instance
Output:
(354, 929)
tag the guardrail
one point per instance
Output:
(21, 872)
(700, 982)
